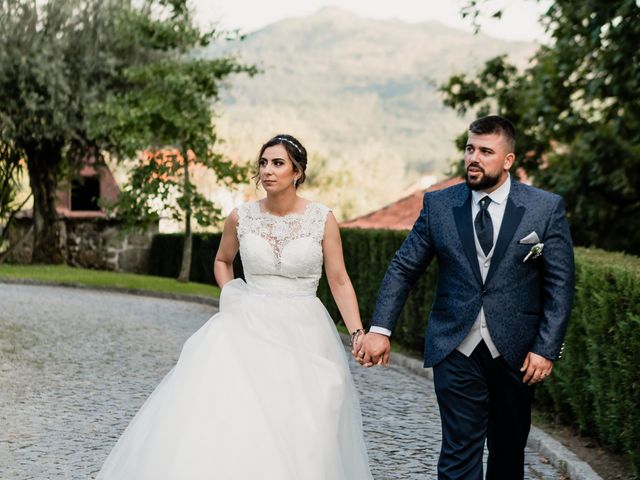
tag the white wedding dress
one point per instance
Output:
(262, 391)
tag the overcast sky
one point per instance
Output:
(519, 22)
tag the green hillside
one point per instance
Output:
(360, 93)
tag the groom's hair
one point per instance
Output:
(495, 124)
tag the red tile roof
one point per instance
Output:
(400, 215)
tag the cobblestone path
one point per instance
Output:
(75, 365)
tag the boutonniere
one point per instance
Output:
(535, 252)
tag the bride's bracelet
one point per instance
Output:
(356, 334)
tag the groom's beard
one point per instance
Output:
(484, 182)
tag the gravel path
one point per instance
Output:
(75, 365)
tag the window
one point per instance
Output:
(85, 193)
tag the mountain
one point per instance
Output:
(359, 92)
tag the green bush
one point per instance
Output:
(166, 256)
(367, 254)
(595, 385)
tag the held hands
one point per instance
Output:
(537, 368)
(372, 349)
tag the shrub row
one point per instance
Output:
(165, 257)
(596, 384)
(367, 254)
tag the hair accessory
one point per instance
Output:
(282, 139)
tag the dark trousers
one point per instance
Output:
(481, 398)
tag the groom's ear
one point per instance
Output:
(508, 160)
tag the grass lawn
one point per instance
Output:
(84, 276)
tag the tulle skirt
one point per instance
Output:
(261, 391)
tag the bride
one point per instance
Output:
(262, 391)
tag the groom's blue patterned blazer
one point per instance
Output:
(526, 304)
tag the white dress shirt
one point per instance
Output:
(496, 208)
(479, 330)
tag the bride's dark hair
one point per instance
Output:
(296, 151)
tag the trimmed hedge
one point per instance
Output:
(596, 384)
(367, 254)
(165, 257)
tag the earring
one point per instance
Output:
(295, 182)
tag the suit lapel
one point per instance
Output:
(512, 217)
(462, 215)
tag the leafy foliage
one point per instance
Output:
(59, 59)
(597, 384)
(166, 109)
(164, 259)
(577, 114)
(56, 58)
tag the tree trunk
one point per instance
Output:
(185, 269)
(43, 164)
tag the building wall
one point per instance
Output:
(96, 243)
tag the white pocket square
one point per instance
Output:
(530, 239)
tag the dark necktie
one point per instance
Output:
(484, 226)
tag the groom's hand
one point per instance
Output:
(374, 350)
(536, 368)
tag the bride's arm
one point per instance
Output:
(338, 278)
(223, 264)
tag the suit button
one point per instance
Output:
(483, 292)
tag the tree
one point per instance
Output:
(577, 112)
(165, 109)
(58, 58)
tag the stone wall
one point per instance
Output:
(98, 243)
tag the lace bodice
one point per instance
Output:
(282, 255)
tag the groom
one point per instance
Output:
(504, 294)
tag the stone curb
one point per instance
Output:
(130, 291)
(560, 457)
